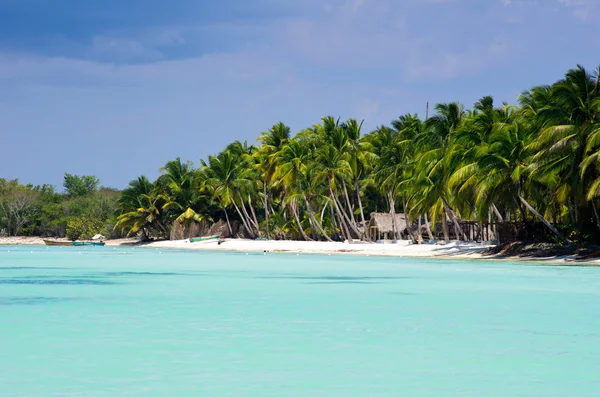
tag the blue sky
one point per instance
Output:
(116, 88)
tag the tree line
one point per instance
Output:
(537, 161)
(81, 211)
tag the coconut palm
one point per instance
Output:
(292, 162)
(142, 209)
(271, 142)
(180, 182)
(569, 127)
(436, 161)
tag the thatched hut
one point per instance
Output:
(381, 225)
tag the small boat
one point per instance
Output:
(55, 242)
(72, 243)
(97, 243)
(204, 238)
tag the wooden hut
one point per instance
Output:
(381, 226)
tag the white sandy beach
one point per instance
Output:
(399, 249)
(403, 248)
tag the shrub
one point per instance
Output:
(84, 228)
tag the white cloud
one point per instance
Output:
(583, 10)
(372, 59)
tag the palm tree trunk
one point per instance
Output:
(334, 223)
(248, 218)
(393, 212)
(350, 209)
(338, 221)
(344, 228)
(362, 214)
(455, 221)
(350, 224)
(428, 227)
(445, 225)
(317, 224)
(498, 214)
(596, 213)
(266, 204)
(408, 223)
(228, 223)
(245, 212)
(243, 219)
(294, 206)
(253, 214)
(543, 220)
(313, 228)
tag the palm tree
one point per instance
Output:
(141, 209)
(434, 162)
(291, 164)
(569, 125)
(272, 141)
(247, 183)
(387, 175)
(359, 159)
(497, 174)
(225, 179)
(181, 186)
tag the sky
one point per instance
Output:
(117, 88)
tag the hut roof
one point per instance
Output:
(383, 221)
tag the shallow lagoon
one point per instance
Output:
(107, 321)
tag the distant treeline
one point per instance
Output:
(535, 162)
(83, 210)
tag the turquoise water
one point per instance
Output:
(145, 322)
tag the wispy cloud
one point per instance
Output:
(183, 84)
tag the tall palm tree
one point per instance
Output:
(436, 161)
(570, 120)
(292, 162)
(498, 173)
(272, 141)
(359, 159)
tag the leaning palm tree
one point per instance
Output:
(436, 161)
(141, 209)
(360, 160)
(292, 162)
(271, 142)
(570, 121)
(498, 173)
(180, 185)
(224, 179)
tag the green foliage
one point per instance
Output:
(83, 227)
(536, 162)
(41, 211)
(79, 186)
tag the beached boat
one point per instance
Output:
(204, 238)
(54, 242)
(72, 243)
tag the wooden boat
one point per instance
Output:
(204, 238)
(72, 243)
(55, 242)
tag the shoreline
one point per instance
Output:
(402, 249)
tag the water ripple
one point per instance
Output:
(32, 300)
(55, 281)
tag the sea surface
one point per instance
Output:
(107, 321)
